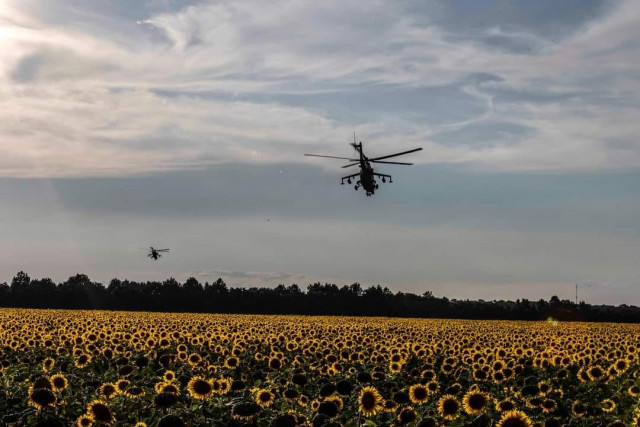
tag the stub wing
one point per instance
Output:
(349, 177)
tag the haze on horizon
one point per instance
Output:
(182, 124)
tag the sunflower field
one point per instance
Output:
(98, 368)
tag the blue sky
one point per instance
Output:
(183, 124)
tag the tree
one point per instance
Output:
(192, 286)
(20, 281)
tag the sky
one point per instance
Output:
(183, 124)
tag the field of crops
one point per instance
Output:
(134, 369)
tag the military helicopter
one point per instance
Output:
(367, 174)
(155, 253)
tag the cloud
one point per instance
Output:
(92, 93)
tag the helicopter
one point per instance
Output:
(155, 253)
(367, 174)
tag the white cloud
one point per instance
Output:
(76, 99)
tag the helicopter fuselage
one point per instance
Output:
(367, 178)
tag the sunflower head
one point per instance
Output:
(199, 388)
(41, 398)
(514, 419)
(329, 408)
(58, 382)
(475, 402)
(369, 401)
(406, 415)
(84, 421)
(448, 407)
(578, 409)
(108, 390)
(165, 400)
(418, 393)
(264, 397)
(100, 412)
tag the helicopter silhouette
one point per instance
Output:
(367, 174)
(155, 253)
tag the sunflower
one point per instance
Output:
(264, 397)
(299, 379)
(224, 385)
(41, 398)
(505, 405)
(544, 388)
(42, 382)
(548, 405)
(194, 359)
(275, 363)
(47, 364)
(596, 373)
(82, 360)
(329, 408)
(401, 398)
(84, 421)
(327, 390)
(583, 376)
(108, 390)
(621, 365)
(448, 407)
(395, 367)
(389, 406)
(369, 401)
(634, 391)
(608, 405)
(291, 394)
(578, 409)
(169, 376)
(100, 412)
(122, 385)
(335, 399)
(406, 416)
(244, 411)
(165, 400)
(170, 388)
(418, 393)
(134, 392)
(514, 419)
(475, 402)
(480, 375)
(58, 382)
(231, 363)
(199, 388)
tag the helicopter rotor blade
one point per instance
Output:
(162, 250)
(331, 157)
(352, 164)
(390, 163)
(396, 154)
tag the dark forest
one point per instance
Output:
(79, 292)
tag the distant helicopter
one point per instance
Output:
(155, 253)
(366, 174)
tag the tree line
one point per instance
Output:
(80, 292)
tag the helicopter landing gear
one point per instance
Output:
(376, 186)
(384, 180)
(349, 181)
